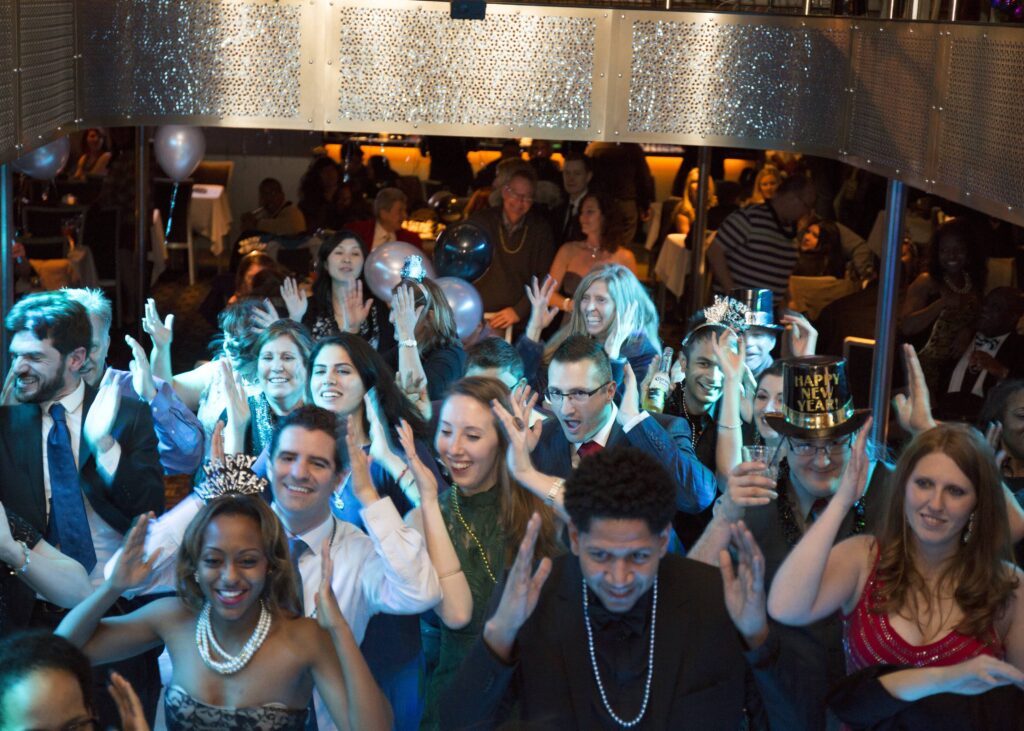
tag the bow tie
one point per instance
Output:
(982, 341)
(632, 623)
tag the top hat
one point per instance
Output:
(759, 307)
(816, 400)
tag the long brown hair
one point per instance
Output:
(516, 503)
(279, 591)
(980, 572)
(436, 327)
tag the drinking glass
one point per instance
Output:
(762, 453)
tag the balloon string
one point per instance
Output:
(170, 212)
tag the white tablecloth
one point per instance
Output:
(673, 264)
(209, 214)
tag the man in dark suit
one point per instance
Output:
(576, 644)
(80, 463)
(577, 173)
(581, 392)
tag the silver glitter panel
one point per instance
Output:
(192, 58)
(757, 82)
(46, 45)
(979, 152)
(416, 65)
(893, 72)
(8, 103)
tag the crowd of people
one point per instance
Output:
(556, 522)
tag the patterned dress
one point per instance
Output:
(24, 532)
(185, 713)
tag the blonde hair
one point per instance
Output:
(687, 206)
(764, 172)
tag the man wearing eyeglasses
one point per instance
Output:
(581, 392)
(522, 245)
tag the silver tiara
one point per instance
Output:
(413, 268)
(231, 476)
(729, 312)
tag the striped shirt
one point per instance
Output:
(761, 252)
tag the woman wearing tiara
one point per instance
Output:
(242, 656)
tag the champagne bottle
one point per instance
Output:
(657, 392)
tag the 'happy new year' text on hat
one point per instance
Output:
(816, 400)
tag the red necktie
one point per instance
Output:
(588, 448)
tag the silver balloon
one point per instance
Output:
(43, 163)
(179, 150)
(383, 268)
(465, 302)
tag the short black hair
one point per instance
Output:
(24, 653)
(52, 315)
(576, 348)
(497, 353)
(700, 333)
(578, 157)
(621, 483)
(313, 418)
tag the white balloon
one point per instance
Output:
(179, 150)
(43, 163)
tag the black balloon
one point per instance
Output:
(447, 206)
(463, 250)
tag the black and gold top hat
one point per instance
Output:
(759, 307)
(816, 400)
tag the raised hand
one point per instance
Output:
(521, 439)
(425, 481)
(625, 324)
(731, 352)
(142, 372)
(747, 486)
(295, 299)
(743, 586)
(803, 338)
(414, 386)
(540, 314)
(994, 436)
(238, 410)
(855, 477)
(380, 442)
(407, 315)
(629, 407)
(217, 443)
(328, 613)
(519, 598)
(7, 395)
(161, 332)
(99, 422)
(359, 466)
(264, 316)
(132, 567)
(914, 412)
(354, 310)
(129, 707)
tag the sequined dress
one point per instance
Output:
(22, 531)
(185, 713)
(869, 639)
(483, 514)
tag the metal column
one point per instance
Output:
(6, 260)
(885, 324)
(698, 267)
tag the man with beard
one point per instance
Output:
(80, 463)
(178, 432)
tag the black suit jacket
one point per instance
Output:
(563, 232)
(700, 673)
(667, 438)
(137, 486)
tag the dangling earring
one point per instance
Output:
(968, 530)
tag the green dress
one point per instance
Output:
(482, 513)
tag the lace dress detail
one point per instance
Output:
(185, 713)
(325, 326)
(21, 531)
(869, 639)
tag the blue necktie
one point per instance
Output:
(69, 526)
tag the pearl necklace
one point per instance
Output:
(231, 663)
(597, 672)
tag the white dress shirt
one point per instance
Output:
(380, 236)
(105, 540)
(603, 434)
(962, 374)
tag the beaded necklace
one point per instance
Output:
(597, 673)
(504, 245)
(695, 434)
(454, 492)
(968, 284)
(790, 527)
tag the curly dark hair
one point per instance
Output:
(52, 315)
(622, 483)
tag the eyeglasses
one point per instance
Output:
(576, 396)
(527, 198)
(832, 448)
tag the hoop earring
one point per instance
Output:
(969, 530)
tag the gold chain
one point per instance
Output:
(522, 239)
(458, 514)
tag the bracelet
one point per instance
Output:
(27, 554)
(723, 426)
(401, 475)
(448, 575)
(556, 487)
(410, 343)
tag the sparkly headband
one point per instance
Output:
(231, 476)
(413, 268)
